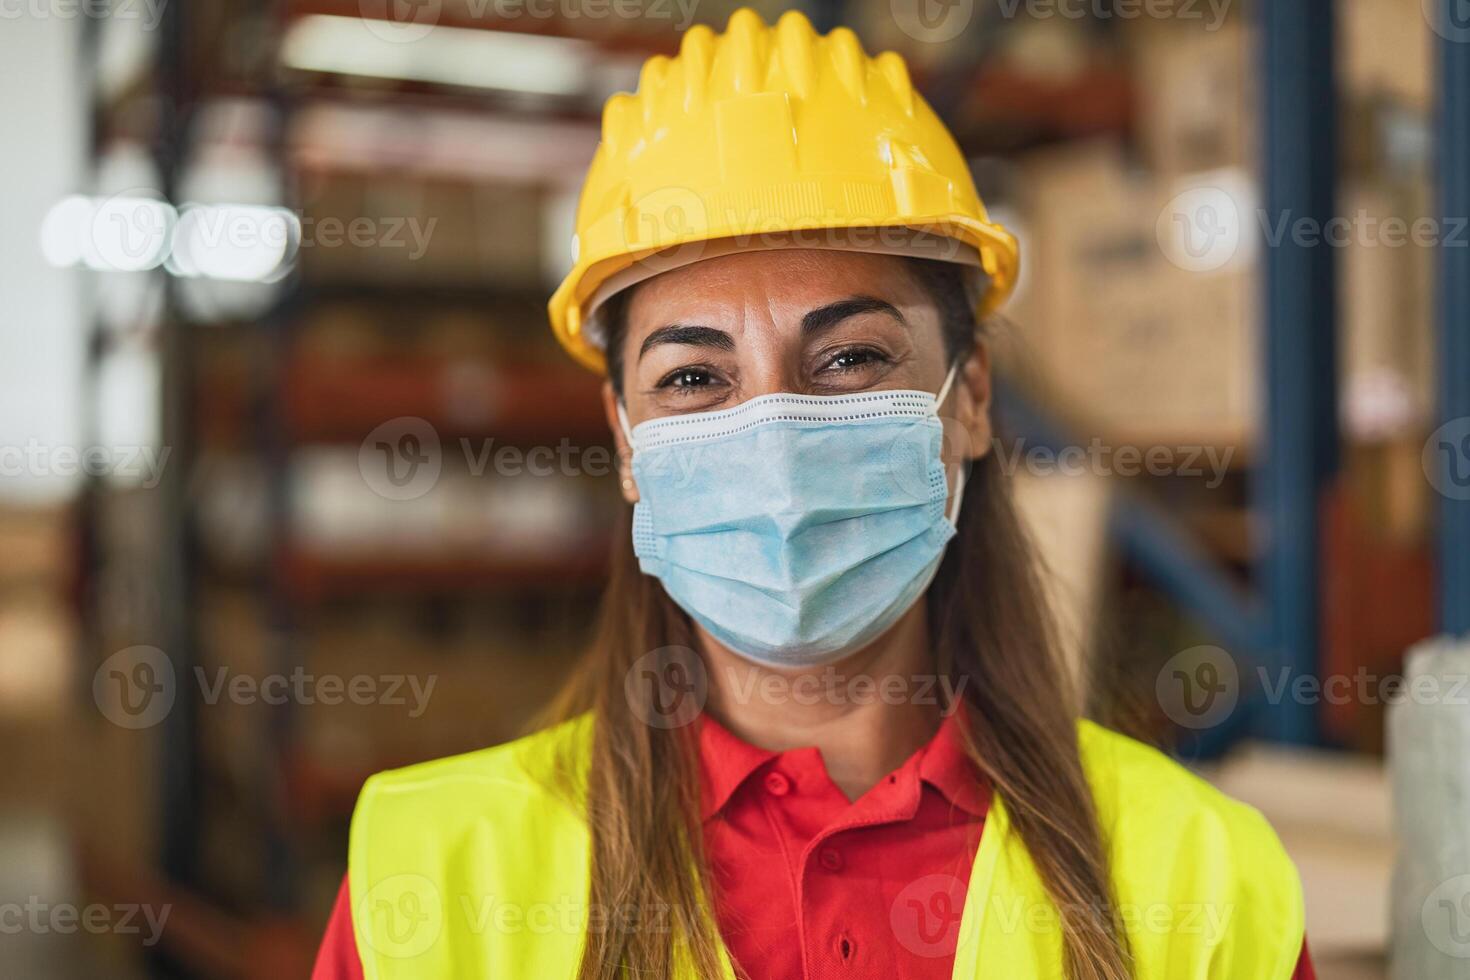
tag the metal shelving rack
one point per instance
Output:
(1300, 433)
(205, 936)
(1278, 623)
(1453, 310)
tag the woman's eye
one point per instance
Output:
(855, 358)
(686, 378)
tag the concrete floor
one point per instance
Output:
(36, 885)
(41, 932)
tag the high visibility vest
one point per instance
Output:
(472, 867)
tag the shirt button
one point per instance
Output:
(777, 784)
(830, 859)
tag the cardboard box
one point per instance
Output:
(37, 654)
(39, 546)
(1125, 341)
(422, 232)
(1196, 97)
(1386, 47)
(1385, 307)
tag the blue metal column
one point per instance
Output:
(1299, 436)
(1452, 447)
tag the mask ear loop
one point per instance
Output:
(623, 422)
(954, 371)
(952, 513)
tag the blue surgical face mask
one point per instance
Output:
(794, 528)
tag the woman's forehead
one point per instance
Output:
(795, 276)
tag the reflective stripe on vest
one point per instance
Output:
(472, 867)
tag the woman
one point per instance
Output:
(823, 730)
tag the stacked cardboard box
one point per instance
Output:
(1195, 94)
(1387, 47)
(1136, 327)
(36, 634)
(1116, 331)
(1385, 298)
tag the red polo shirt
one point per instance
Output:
(809, 884)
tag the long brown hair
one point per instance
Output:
(993, 634)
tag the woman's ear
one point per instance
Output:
(972, 408)
(620, 441)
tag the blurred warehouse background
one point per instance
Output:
(296, 486)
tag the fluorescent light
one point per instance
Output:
(460, 56)
(63, 228)
(125, 234)
(128, 234)
(239, 242)
(234, 242)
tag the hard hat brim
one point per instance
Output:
(573, 307)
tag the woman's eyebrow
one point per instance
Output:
(833, 313)
(680, 333)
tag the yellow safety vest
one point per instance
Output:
(471, 867)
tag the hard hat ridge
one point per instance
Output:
(764, 131)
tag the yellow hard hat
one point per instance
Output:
(759, 132)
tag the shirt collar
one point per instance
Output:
(948, 768)
(727, 761)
